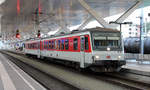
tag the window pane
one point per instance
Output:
(62, 44)
(86, 43)
(66, 44)
(49, 44)
(53, 45)
(59, 44)
(75, 44)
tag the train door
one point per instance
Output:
(23, 47)
(39, 49)
(82, 59)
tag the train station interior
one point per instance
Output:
(74, 44)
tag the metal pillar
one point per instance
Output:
(93, 13)
(63, 28)
(129, 11)
(141, 34)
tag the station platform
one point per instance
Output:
(138, 67)
(13, 78)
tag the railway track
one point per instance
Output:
(124, 80)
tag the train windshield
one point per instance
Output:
(103, 40)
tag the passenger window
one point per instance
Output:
(28, 46)
(62, 44)
(86, 43)
(33, 45)
(59, 44)
(53, 45)
(75, 44)
(44, 45)
(49, 44)
(66, 44)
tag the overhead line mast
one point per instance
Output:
(18, 7)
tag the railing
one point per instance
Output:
(138, 57)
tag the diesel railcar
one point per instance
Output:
(99, 49)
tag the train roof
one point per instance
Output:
(97, 29)
(101, 29)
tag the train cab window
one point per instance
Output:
(66, 44)
(62, 44)
(75, 44)
(86, 43)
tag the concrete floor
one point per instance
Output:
(13, 78)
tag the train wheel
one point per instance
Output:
(79, 68)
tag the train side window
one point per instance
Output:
(66, 44)
(62, 44)
(34, 45)
(30, 46)
(75, 43)
(38, 45)
(53, 45)
(59, 44)
(86, 43)
(49, 44)
(44, 45)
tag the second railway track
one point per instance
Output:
(89, 80)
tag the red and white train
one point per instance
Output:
(99, 49)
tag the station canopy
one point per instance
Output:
(29, 16)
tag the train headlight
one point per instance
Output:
(119, 57)
(97, 57)
(108, 49)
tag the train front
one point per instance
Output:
(107, 51)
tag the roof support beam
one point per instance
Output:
(63, 28)
(93, 13)
(129, 11)
(84, 23)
